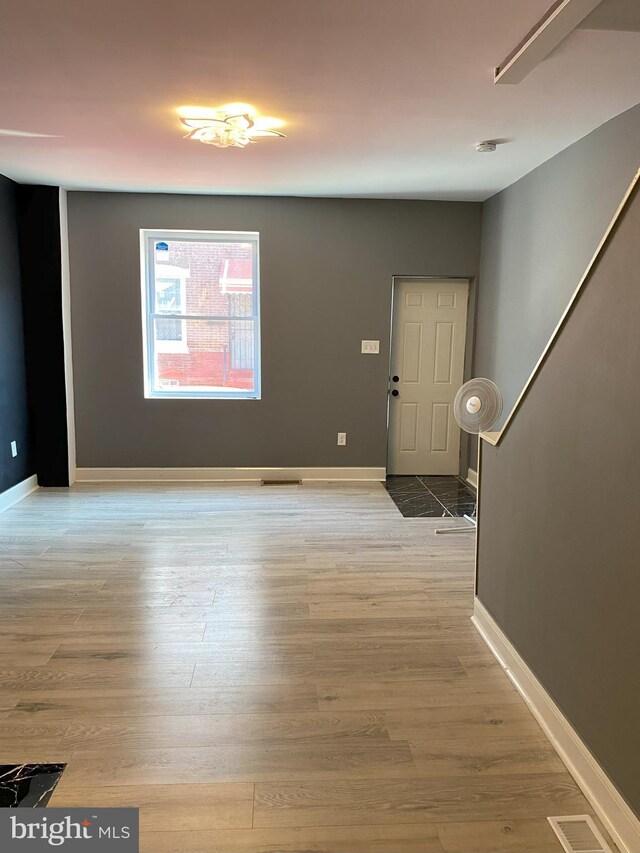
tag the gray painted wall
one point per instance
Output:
(537, 239)
(326, 271)
(558, 550)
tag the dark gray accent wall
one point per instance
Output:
(326, 272)
(537, 239)
(14, 409)
(558, 550)
(41, 272)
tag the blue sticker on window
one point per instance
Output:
(162, 247)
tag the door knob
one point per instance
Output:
(395, 392)
(395, 379)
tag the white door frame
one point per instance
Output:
(468, 349)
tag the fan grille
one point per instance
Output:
(490, 409)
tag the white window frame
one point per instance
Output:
(148, 239)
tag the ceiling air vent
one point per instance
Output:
(579, 834)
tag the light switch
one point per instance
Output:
(370, 347)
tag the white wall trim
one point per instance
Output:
(146, 475)
(472, 478)
(16, 493)
(555, 25)
(66, 334)
(607, 802)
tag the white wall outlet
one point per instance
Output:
(370, 347)
(342, 438)
(14, 448)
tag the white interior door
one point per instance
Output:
(427, 368)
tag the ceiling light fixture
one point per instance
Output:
(228, 126)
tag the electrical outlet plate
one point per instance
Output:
(370, 347)
(342, 439)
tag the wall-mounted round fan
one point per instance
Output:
(476, 408)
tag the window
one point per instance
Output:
(201, 314)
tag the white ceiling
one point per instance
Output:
(383, 98)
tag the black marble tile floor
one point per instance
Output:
(28, 785)
(431, 496)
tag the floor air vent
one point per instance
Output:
(579, 834)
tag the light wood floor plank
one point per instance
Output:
(94, 703)
(169, 808)
(470, 722)
(116, 674)
(360, 839)
(343, 758)
(148, 732)
(500, 756)
(453, 692)
(417, 800)
(513, 836)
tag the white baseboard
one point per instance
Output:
(472, 478)
(16, 493)
(609, 805)
(213, 475)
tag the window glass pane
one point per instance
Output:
(211, 355)
(168, 296)
(205, 277)
(169, 330)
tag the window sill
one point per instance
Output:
(170, 396)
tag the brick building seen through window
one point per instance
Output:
(201, 315)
